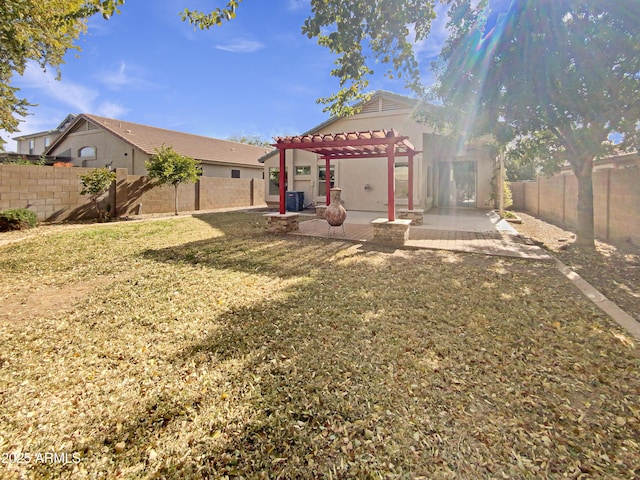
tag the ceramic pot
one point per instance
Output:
(335, 212)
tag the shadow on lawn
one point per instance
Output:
(352, 363)
(245, 246)
(317, 383)
(382, 378)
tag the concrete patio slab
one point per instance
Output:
(464, 230)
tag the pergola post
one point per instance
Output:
(283, 206)
(327, 175)
(410, 181)
(391, 182)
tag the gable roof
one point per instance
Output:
(61, 126)
(147, 139)
(380, 101)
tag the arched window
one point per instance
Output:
(87, 152)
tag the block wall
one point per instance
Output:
(53, 193)
(616, 202)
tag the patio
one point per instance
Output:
(463, 230)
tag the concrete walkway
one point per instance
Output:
(463, 230)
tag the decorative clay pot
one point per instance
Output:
(335, 212)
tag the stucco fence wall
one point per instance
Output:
(616, 202)
(53, 193)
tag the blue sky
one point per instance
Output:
(257, 75)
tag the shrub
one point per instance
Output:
(94, 184)
(17, 219)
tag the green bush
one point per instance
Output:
(17, 219)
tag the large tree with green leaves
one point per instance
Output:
(558, 78)
(168, 167)
(41, 31)
(362, 33)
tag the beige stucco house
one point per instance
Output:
(93, 141)
(446, 174)
(37, 143)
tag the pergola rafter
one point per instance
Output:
(352, 145)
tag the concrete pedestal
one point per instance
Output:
(282, 223)
(416, 215)
(393, 233)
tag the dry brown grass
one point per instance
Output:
(204, 347)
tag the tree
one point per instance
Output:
(95, 183)
(168, 167)
(40, 31)
(361, 33)
(256, 140)
(561, 76)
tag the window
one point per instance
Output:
(303, 170)
(87, 152)
(274, 180)
(47, 142)
(402, 180)
(322, 179)
(235, 173)
(32, 146)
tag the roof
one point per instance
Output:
(61, 126)
(366, 144)
(397, 101)
(148, 139)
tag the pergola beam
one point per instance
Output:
(368, 155)
(311, 145)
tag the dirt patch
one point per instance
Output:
(22, 305)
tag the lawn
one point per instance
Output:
(203, 347)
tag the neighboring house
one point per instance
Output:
(37, 143)
(621, 161)
(445, 174)
(93, 141)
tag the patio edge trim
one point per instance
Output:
(621, 317)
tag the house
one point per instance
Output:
(618, 162)
(93, 141)
(37, 143)
(446, 174)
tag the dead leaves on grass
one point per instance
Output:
(242, 358)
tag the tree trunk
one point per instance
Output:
(176, 198)
(585, 229)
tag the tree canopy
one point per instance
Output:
(168, 167)
(41, 31)
(95, 183)
(558, 78)
(256, 140)
(361, 33)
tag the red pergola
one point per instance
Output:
(340, 146)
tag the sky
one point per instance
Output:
(254, 76)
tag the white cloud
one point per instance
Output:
(117, 78)
(241, 46)
(295, 5)
(431, 46)
(77, 96)
(111, 110)
(123, 76)
(40, 119)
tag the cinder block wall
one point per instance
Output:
(230, 192)
(53, 193)
(616, 202)
(140, 196)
